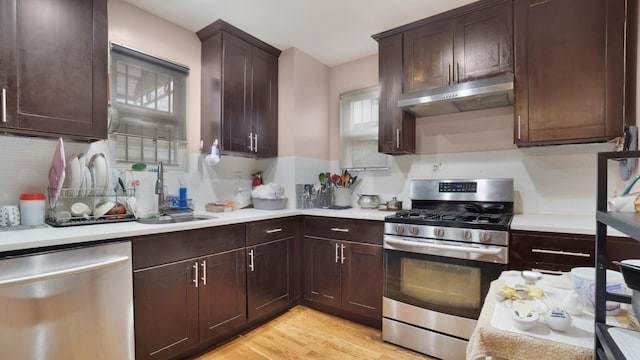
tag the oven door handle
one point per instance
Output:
(466, 249)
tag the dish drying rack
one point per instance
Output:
(60, 201)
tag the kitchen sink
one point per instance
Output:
(173, 218)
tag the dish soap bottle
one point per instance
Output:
(257, 179)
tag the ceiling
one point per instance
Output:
(331, 31)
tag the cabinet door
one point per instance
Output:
(322, 271)
(428, 57)
(569, 68)
(396, 128)
(56, 70)
(264, 103)
(268, 274)
(362, 279)
(165, 302)
(223, 295)
(482, 43)
(236, 121)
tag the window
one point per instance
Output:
(148, 102)
(359, 130)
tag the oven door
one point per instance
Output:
(443, 284)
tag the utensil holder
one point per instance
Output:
(341, 196)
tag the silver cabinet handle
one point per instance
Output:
(195, 279)
(4, 105)
(255, 145)
(342, 254)
(251, 267)
(560, 252)
(204, 272)
(398, 138)
(272, 231)
(519, 137)
(251, 142)
(64, 272)
(337, 249)
(449, 74)
(340, 230)
(552, 272)
(458, 72)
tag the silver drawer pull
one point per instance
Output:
(4, 105)
(272, 231)
(552, 272)
(560, 252)
(251, 264)
(196, 279)
(204, 272)
(340, 230)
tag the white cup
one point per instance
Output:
(9, 215)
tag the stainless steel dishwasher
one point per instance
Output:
(68, 304)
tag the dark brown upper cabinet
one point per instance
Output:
(396, 128)
(53, 73)
(569, 71)
(239, 103)
(473, 45)
(467, 43)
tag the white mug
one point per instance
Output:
(9, 215)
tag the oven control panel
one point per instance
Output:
(458, 187)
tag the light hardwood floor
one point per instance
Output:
(303, 333)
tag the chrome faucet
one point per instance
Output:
(160, 188)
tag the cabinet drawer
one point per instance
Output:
(366, 231)
(157, 249)
(259, 232)
(561, 252)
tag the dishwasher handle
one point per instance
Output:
(64, 272)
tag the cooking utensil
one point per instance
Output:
(368, 201)
(484, 208)
(323, 178)
(394, 204)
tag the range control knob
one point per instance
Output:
(438, 232)
(413, 230)
(467, 234)
(399, 229)
(485, 236)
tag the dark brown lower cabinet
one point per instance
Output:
(166, 311)
(270, 259)
(189, 290)
(559, 252)
(343, 275)
(268, 275)
(222, 295)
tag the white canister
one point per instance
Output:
(32, 209)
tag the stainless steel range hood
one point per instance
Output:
(468, 96)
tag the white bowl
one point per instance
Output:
(80, 209)
(531, 277)
(524, 322)
(102, 208)
(584, 285)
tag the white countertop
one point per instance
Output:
(571, 224)
(50, 236)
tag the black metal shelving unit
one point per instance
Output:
(627, 223)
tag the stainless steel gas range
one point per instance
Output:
(439, 260)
